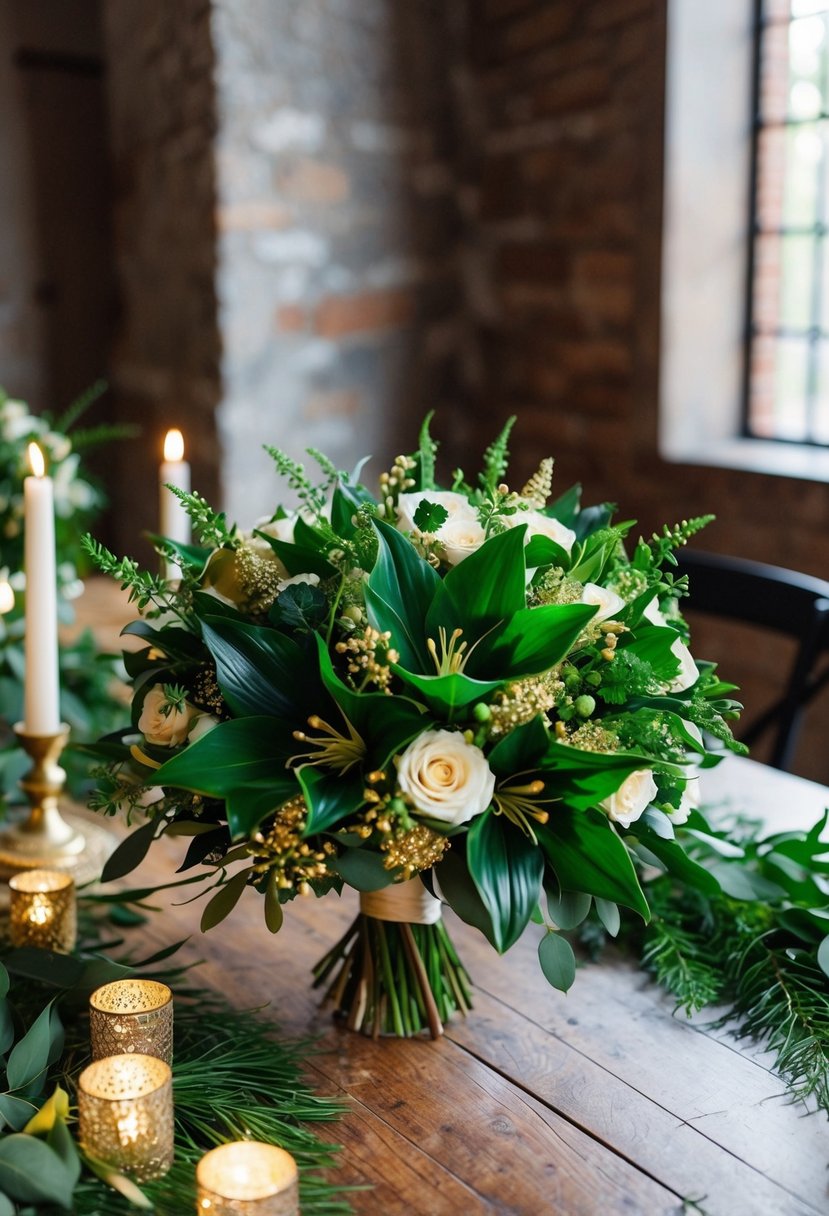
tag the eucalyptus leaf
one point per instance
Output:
(273, 908)
(31, 1055)
(130, 852)
(608, 914)
(225, 900)
(823, 955)
(32, 1172)
(362, 869)
(557, 960)
(569, 908)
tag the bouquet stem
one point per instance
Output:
(388, 976)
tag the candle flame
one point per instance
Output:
(174, 445)
(36, 461)
(6, 597)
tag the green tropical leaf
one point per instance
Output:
(299, 559)
(32, 1173)
(585, 854)
(557, 960)
(522, 750)
(330, 796)
(259, 670)
(488, 587)
(507, 868)
(240, 752)
(444, 694)
(583, 779)
(248, 805)
(543, 551)
(459, 889)
(399, 592)
(676, 861)
(530, 641)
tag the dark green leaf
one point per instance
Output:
(15, 1112)
(399, 592)
(4, 982)
(32, 1173)
(430, 516)
(248, 805)
(224, 901)
(330, 796)
(259, 670)
(506, 867)
(677, 862)
(444, 694)
(130, 852)
(521, 750)
(299, 559)
(6, 1027)
(557, 961)
(741, 883)
(461, 893)
(6, 1206)
(530, 641)
(362, 869)
(233, 754)
(301, 607)
(543, 551)
(488, 587)
(60, 1142)
(585, 854)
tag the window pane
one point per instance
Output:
(797, 256)
(790, 388)
(807, 41)
(802, 8)
(820, 421)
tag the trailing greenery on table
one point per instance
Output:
(86, 676)
(476, 687)
(232, 1079)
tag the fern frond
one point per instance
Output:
(210, 526)
(79, 406)
(427, 453)
(496, 459)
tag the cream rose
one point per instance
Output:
(457, 505)
(459, 537)
(164, 729)
(311, 579)
(203, 726)
(607, 601)
(543, 525)
(445, 778)
(279, 529)
(632, 798)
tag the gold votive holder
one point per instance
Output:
(42, 910)
(129, 1016)
(125, 1114)
(247, 1178)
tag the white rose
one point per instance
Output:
(607, 601)
(460, 537)
(445, 778)
(203, 726)
(164, 729)
(632, 798)
(457, 505)
(543, 525)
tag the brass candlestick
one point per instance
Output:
(48, 838)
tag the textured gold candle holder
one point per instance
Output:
(125, 1114)
(47, 838)
(42, 910)
(129, 1016)
(247, 1178)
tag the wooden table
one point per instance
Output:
(598, 1102)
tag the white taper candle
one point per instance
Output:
(41, 703)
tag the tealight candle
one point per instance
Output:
(132, 1016)
(173, 520)
(42, 910)
(247, 1178)
(125, 1114)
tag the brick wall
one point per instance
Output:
(337, 222)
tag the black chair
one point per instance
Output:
(793, 604)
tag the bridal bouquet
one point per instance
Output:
(471, 696)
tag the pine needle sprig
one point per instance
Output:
(496, 459)
(65, 421)
(680, 962)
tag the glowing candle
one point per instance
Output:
(247, 1178)
(41, 705)
(173, 520)
(42, 910)
(6, 597)
(125, 1114)
(132, 1016)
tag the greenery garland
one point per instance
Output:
(231, 1080)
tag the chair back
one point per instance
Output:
(793, 604)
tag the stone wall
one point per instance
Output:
(337, 231)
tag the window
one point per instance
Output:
(787, 395)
